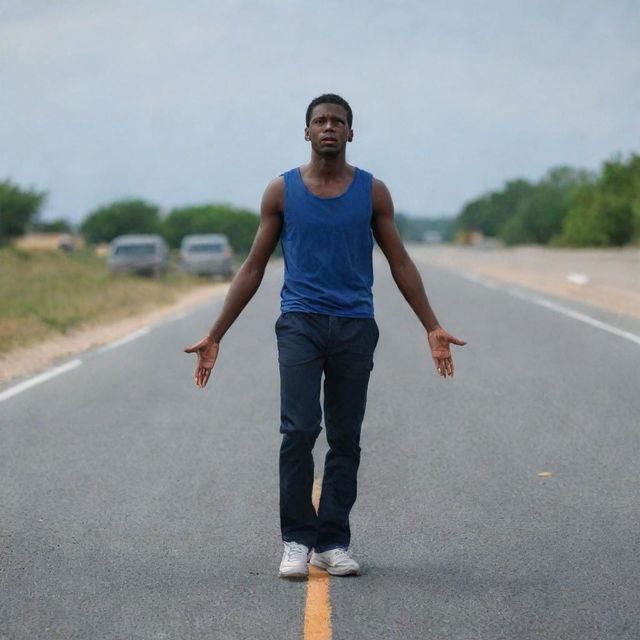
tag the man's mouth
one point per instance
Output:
(328, 140)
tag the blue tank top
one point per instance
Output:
(327, 245)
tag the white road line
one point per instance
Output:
(42, 377)
(554, 306)
(583, 317)
(178, 316)
(578, 278)
(124, 340)
(474, 277)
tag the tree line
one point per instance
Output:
(20, 207)
(567, 207)
(138, 216)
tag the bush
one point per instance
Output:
(490, 212)
(118, 218)
(539, 216)
(238, 225)
(17, 208)
(606, 213)
(567, 207)
(60, 225)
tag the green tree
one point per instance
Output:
(18, 207)
(607, 212)
(121, 217)
(60, 225)
(239, 225)
(413, 229)
(473, 214)
(523, 212)
(403, 225)
(490, 212)
(540, 215)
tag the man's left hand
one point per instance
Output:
(207, 352)
(439, 341)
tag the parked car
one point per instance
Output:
(207, 254)
(139, 254)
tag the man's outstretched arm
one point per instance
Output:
(246, 281)
(408, 279)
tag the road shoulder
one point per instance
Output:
(29, 360)
(611, 274)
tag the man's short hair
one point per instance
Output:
(330, 98)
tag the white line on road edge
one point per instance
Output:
(583, 317)
(128, 338)
(554, 306)
(43, 377)
(178, 316)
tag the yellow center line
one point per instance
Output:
(317, 610)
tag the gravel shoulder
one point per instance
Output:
(604, 278)
(28, 360)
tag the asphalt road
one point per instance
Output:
(135, 506)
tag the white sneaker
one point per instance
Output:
(294, 561)
(337, 562)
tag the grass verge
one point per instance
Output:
(44, 293)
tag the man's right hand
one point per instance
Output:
(207, 351)
(439, 341)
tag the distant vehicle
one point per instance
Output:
(207, 255)
(66, 243)
(432, 237)
(139, 254)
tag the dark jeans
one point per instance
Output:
(310, 345)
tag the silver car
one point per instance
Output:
(207, 254)
(139, 254)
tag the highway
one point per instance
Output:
(135, 506)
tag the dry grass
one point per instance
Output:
(46, 293)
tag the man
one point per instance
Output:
(326, 214)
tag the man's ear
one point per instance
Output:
(350, 138)
(306, 133)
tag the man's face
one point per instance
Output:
(328, 130)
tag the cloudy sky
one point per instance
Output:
(191, 101)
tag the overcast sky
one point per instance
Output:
(188, 101)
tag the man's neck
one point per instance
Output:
(328, 167)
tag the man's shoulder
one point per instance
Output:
(378, 187)
(273, 197)
(290, 172)
(277, 184)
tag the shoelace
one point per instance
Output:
(341, 554)
(296, 550)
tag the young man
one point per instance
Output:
(326, 214)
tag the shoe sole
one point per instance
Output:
(293, 576)
(335, 572)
